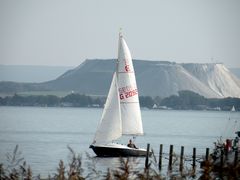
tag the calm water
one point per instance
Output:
(43, 134)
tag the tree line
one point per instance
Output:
(184, 100)
(191, 100)
(72, 100)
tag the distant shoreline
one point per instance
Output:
(186, 100)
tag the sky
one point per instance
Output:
(66, 32)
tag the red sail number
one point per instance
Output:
(127, 68)
(128, 94)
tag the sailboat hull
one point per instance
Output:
(117, 151)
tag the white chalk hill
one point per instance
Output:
(154, 78)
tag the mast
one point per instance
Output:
(117, 61)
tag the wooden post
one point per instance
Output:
(181, 158)
(207, 154)
(226, 154)
(221, 158)
(147, 155)
(170, 157)
(160, 157)
(194, 158)
(236, 158)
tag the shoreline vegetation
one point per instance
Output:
(185, 100)
(17, 168)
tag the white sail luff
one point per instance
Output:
(110, 126)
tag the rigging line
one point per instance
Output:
(126, 72)
(128, 102)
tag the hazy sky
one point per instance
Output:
(57, 32)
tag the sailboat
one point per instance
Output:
(233, 109)
(121, 114)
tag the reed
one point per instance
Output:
(17, 169)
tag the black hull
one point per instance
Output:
(101, 151)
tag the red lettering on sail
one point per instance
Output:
(127, 68)
(131, 93)
(121, 96)
(127, 92)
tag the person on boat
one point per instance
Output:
(131, 145)
(228, 145)
(235, 143)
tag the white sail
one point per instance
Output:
(128, 92)
(110, 126)
(233, 109)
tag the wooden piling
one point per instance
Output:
(147, 156)
(181, 158)
(236, 158)
(170, 157)
(207, 154)
(160, 157)
(194, 158)
(221, 158)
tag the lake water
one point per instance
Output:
(43, 134)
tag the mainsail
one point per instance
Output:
(121, 114)
(128, 92)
